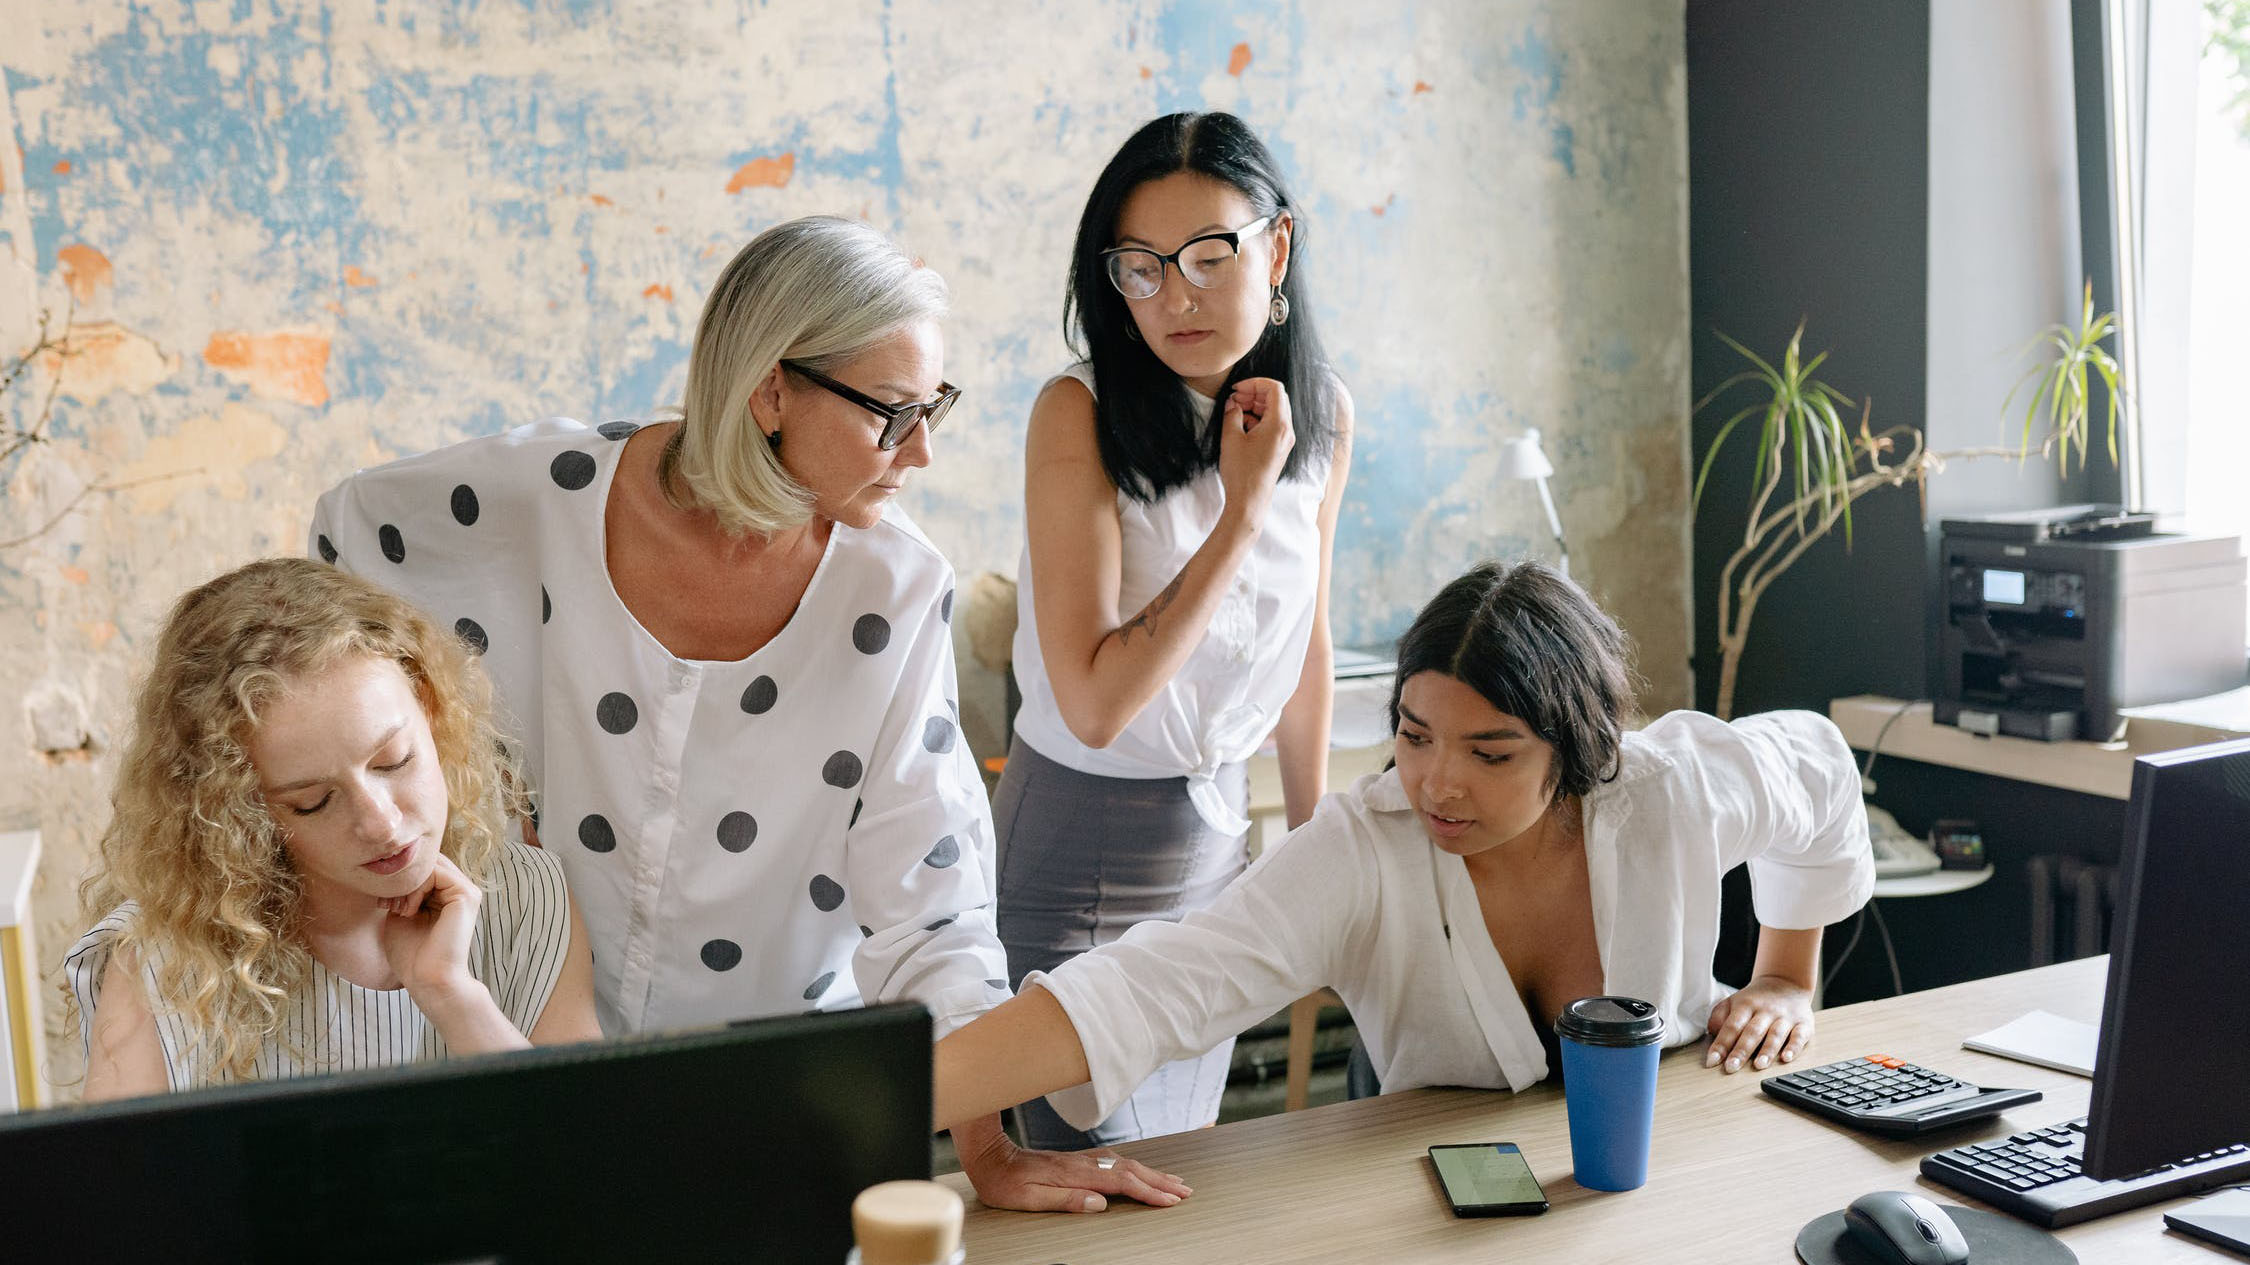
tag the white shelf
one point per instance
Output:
(2096, 768)
(1934, 883)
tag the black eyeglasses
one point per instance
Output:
(1138, 272)
(898, 419)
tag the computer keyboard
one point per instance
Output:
(2037, 1176)
(1890, 1096)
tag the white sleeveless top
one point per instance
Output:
(334, 1025)
(1228, 695)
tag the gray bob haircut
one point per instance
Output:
(820, 290)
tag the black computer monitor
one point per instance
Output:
(743, 1143)
(2169, 1076)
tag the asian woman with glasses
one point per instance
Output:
(1181, 491)
(728, 661)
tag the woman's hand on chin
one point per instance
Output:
(426, 937)
(1770, 1020)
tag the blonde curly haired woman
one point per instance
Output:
(307, 866)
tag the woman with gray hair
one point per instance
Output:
(726, 658)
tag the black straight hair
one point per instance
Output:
(1538, 649)
(1150, 435)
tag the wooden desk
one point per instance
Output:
(1733, 1175)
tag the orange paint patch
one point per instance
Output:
(763, 173)
(332, 305)
(355, 278)
(101, 632)
(84, 268)
(76, 575)
(102, 356)
(63, 168)
(662, 229)
(1384, 205)
(658, 291)
(277, 366)
(1239, 60)
(599, 200)
(1420, 88)
(1146, 73)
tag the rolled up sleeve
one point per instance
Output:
(1167, 990)
(920, 853)
(1805, 833)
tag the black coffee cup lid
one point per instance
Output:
(1611, 1021)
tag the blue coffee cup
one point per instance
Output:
(1609, 1051)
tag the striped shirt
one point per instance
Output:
(334, 1025)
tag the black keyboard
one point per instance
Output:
(1890, 1096)
(2037, 1176)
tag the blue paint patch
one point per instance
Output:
(1542, 69)
(1616, 354)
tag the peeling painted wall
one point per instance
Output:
(302, 237)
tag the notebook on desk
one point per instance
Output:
(2065, 1045)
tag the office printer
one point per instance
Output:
(2054, 619)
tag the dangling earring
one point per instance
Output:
(1278, 312)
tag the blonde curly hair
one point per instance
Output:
(190, 837)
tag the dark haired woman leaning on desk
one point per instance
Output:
(1525, 851)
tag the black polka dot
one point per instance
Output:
(760, 696)
(842, 770)
(616, 713)
(737, 831)
(465, 505)
(1000, 984)
(327, 550)
(857, 804)
(594, 831)
(472, 632)
(939, 925)
(866, 932)
(722, 955)
(394, 545)
(571, 470)
(616, 430)
(944, 855)
(546, 605)
(945, 607)
(937, 734)
(870, 633)
(819, 986)
(827, 893)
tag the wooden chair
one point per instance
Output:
(1304, 1023)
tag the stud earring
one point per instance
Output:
(1278, 312)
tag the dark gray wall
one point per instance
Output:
(1807, 193)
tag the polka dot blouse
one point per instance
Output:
(800, 829)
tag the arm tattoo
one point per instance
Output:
(1146, 620)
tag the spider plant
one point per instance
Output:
(2063, 394)
(1798, 427)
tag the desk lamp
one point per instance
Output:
(1523, 458)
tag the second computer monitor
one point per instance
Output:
(2175, 1037)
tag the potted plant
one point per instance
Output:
(1810, 466)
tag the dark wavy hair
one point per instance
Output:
(1150, 435)
(1538, 649)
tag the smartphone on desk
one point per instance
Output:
(1488, 1179)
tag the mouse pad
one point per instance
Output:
(1994, 1239)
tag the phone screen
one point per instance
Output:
(1490, 1178)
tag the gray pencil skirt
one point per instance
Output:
(1082, 858)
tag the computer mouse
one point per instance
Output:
(1898, 1228)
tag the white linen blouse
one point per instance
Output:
(1228, 696)
(1359, 899)
(799, 829)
